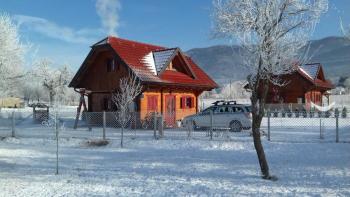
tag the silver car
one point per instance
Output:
(227, 115)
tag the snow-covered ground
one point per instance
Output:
(170, 166)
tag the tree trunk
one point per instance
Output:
(51, 98)
(259, 147)
(122, 136)
(258, 105)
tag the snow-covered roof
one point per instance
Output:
(311, 70)
(163, 57)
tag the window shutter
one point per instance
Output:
(183, 102)
(155, 103)
(149, 103)
(152, 103)
(192, 102)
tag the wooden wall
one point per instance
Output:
(97, 78)
(180, 113)
(297, 87)
(96, 101)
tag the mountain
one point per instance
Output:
(223, 62)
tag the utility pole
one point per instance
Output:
(230, 88)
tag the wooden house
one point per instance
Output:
(171, 80)
(307, 84)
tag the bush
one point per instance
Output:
(344, 113)
(275, 113)
(289, 113)
(283, 113)
(94, 143)
(328, 114)
(312, 113)
(297, 113)
(336, 112)
(304, 112)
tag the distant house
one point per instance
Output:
(307, 84)
(171, 80)
(11, 102)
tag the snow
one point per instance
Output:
(172, 166)
(148, 60)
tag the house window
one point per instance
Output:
(187, 102)
(112, 65)
(106, 105)
(300, 100)
(152, 103)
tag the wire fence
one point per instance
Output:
(277, 126)
(306, 126)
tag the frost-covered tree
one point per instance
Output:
(71, 97)
(234, 90)
(11, 56)
(32, 91)
(54, 80)
(27, 93)
(272, 33)
(129, 88)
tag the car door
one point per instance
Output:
(203, 118)
(238, 113)
(220, 116)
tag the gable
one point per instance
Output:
(178, 63)
(315, 75)
(320, 75)
(96, 75)
(163, 58)
(311, 70)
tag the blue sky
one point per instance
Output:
(63, 30)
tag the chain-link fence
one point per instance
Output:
(306, 126)
(287, 126)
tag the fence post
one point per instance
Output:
(161, 125)
(13, 124)
(87, 119)
(321, 129)
(155, 125)
(56, 130)
(104, 125)
(189, 129)
(211, 125)
(268, 126)
(337, 129)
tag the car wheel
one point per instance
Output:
(235, 126)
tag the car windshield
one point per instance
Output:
(209, 109)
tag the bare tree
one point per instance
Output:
(129, 88)
(272, 33)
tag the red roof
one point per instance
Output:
(132, 53)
